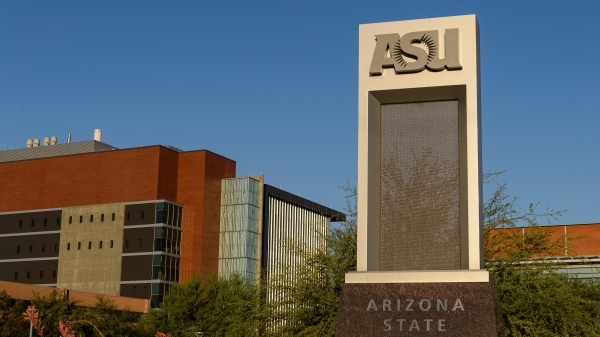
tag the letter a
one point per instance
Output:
(380, 59)
(458, 305)
(372, 305)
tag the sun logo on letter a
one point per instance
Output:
(427, 42)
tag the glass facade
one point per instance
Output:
(167, 239)
(239, 241)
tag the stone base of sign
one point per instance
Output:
(418, 276)
(419, 309)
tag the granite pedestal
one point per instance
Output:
(419, 309)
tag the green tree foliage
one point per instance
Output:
(104, 319)
(12, 323)
(536, 299)
(213, 305)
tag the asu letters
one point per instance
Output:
(403, 54)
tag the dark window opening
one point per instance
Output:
(28, 275)
(16, 275)
(41, 274)
(90, 245)
(100, 245)
(54, 274)
(20, 223)
(101, 217)
(31, 249)
(128, 215)
(70, 219)
(134, 291)
(58, 221)
(18, 249)
(78, 245)
(56, 247)
(69, 246)
(126, 243)
(111, 243)
(43, 248)
(141, 242)
(45, 222)
(92, 218)
(80, 218)
(32, 222)
(142, 214)
(113, 217)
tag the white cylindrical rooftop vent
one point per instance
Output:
(46, 141)
(36, 142)
(69, 138)
(98, 135)
(53, 140)
(29, 143)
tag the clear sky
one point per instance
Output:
(273, 85)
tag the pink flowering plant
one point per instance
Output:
(32, 315)
(65, 329)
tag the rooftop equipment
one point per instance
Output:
(98, 135)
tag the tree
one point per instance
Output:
(216, 306)
(536, 300)
(310, 304)
(11, 317)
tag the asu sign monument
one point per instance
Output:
(420, 236)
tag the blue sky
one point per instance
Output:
(273, 85)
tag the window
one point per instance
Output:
(56, 247)
(134, 291)
(32, 222)
(31, 249)
(68, 246)
(16, 275)
(81, 219)
(90, 245)
(20, 223)
(28, 275)
(101, 217)
(54, 274)
(41, 274)
(58, 221)
(128, 215)
(142, 214)
(45, 221)
(126, 243)
(113, 217)
(78, 245)
(43, 248)
(92, 218)
(111, 243)
(70, 219)
(100, 245)
(141, 242)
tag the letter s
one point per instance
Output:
(387, 324)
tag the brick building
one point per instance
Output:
(89, 217)
(131, 222)
(581, 257)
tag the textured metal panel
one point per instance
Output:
(420, 228)
(54, 151)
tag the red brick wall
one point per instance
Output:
(585, 238)
(202, 200)
(84, 179)
(148, 173)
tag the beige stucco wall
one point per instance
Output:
(369, 126)
(93, 270)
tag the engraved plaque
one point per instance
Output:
(420, 225)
